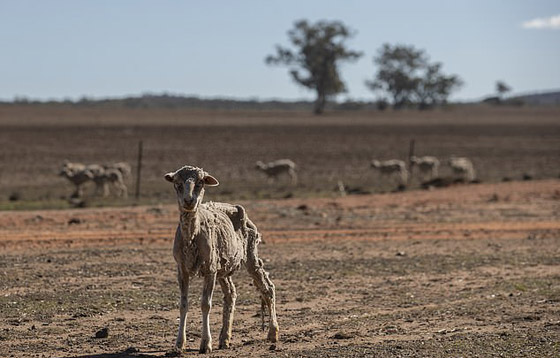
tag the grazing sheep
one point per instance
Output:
(274, 169)
(462, 168)
(428, 166)
(214, 240)
(77, 176)
(390, 168)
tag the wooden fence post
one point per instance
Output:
(138, 170)
(410, 155)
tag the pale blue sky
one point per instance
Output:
(113, 48)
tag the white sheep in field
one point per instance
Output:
(113, 174)
(103, 176)
(462, 168)
(390, 168)
(214, 240)
(77, 175)
(278, 167)
(114, 177)
(428, 166)
(99, 179)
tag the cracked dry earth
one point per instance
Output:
(468, 271)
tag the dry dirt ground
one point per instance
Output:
(34, 142)
(466, 271)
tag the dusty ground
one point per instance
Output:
(468, 271)
(34, 141)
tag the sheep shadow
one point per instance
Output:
(135, 353)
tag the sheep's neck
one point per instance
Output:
(190, 224)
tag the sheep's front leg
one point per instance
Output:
(230, 295)
(184, 288)
(206, 305)
(105, 189)
(78, 193)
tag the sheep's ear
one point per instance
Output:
(210, 180)
(169, 176)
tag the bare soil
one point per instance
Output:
(503, 143)
(465, 271)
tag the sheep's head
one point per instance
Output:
(259, 165)
(189, 185)
(375, 164)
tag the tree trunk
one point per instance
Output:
(319, 104)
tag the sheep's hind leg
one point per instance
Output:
(206, 305)
(230, 295)
(123, 191)
(293, 176)
(265, 287)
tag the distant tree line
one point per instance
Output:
(405, 76)
(171, 101)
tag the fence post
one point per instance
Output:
(138, 170)
(410, 155)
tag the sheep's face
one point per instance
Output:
(189, 183)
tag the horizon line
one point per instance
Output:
(239, 99)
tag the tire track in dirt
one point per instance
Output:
(17, 239)
(362, 218)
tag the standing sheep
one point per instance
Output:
(214, 240)
(274, 169)
(390, 168)
(99, 179)
(428, 166)
(114, 177)
(462, 168)
(78, 176)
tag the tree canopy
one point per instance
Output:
(317, 52)
(502, 88)
(406, 75)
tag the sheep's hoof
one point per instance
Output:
(180, 346)
(273, 334)
(205, 346)
(176, 352)
(224, 341)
